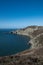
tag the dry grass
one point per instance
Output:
(37, 32)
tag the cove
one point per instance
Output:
(12, 43)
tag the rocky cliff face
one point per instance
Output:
(34, 32)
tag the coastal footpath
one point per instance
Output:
(32, 56)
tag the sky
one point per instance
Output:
(20, 13)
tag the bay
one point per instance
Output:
(12, 43)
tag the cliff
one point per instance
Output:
(34, 32)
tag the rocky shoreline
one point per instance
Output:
(27, 32)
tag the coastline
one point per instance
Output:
(21, 32)
(34, 55)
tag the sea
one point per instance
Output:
(12, 43)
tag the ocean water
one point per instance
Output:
(12, 43)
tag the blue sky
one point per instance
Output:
(20, 13)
